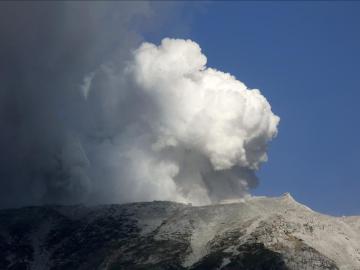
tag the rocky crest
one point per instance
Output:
(256, 233)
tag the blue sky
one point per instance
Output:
(305, 58)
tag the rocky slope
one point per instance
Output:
(256, 233)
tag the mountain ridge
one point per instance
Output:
(253, 233)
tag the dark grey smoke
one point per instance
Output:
(46, 50)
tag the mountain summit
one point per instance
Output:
(255, 233)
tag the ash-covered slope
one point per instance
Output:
(257, 233)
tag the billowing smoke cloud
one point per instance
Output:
(87, 118)
(188, 132)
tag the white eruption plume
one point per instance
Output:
(195, 134)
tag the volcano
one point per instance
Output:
(254, 233)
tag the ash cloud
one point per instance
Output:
(46, 49)
(197, 134)
(86, 118)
